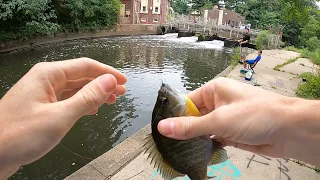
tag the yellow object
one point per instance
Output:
(191, 108)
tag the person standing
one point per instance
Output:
(244, 45)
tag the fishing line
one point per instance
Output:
(75, 153)
(134, 175)
(82, 158)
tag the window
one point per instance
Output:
(144, 8)
(156, 9)
(127, 13)
(143, 20)
(155, 20)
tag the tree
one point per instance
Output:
(180, 6)
(28, 18)
(203, 4)
(311, 29)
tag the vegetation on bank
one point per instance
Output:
(297, 19)
(235, 57)
(27, 19)
(309, 89)
(277, 68)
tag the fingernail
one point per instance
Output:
(107, 82)
(166, 127)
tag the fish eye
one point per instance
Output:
(165, 100)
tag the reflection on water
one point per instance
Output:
(146, 60)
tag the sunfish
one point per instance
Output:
(175, 158)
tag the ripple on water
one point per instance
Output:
(146, 60)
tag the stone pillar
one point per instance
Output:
(205, 16)
(220, 18)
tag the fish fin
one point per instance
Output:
(219, 156)
(166, 171)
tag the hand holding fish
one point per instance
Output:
(42, 107)
(251, 119)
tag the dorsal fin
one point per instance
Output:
(166, 171)
(218, 156)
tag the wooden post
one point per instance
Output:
(230, 34)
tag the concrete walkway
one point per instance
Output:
(125, 161)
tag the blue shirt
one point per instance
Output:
(254, 60)
(257, 58)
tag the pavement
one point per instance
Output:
(125, 161)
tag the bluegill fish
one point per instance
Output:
(175, 158)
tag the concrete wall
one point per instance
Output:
(125, 20)
(118, 30)
(225, 15)
(232, 17)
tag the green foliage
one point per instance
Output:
(277, 68)
(313, 44)
(289, 16)
(257, 12)
(235, 57)
(292, 48)
(208, 5)
(180, 6)
(310, 30)
(311, 88)
(297, 10)
(28, 18)
(312, 55)
(203, 4)
(262, 40)
(90, 14)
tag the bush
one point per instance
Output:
(292, 48)
(312, 55)
(235, 57)
(25, 18)
(262, 39)
(313, 43)
(311, 88)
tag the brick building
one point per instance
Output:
(223, 16)
(154, 11)
(144, 11)
(129, 11)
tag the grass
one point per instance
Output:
(317, 169)
(235, 57)
(277, 68)
(314, 56)
(309, 89)
(294, 49)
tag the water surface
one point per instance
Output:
(146, 60)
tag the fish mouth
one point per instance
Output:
(176, 99)
(166, 89)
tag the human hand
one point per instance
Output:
(238, 115)
(38, 111)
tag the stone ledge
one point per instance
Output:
(110, 163)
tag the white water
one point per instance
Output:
(192, 41)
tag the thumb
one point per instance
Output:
(183, 128)
(91, 96)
